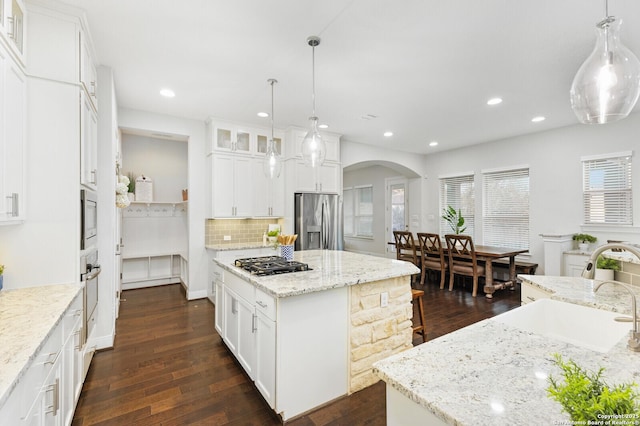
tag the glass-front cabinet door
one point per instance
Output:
(229, 139)
(263, 144)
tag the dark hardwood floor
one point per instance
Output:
(170, 367)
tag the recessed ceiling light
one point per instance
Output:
(323, 126)
(494, 101)
(433, 143)
(263, 114)
(388, 134)
(538, 119)
(167, 93)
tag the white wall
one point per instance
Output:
(164, 161)
(195, 132)
(374, 175)
(554, 160)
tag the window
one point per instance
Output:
(458, 192)
(358, 211)
(607, 189)
(505, 219)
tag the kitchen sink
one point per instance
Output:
(579, 325)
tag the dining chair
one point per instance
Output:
(463, 260)
(432, 256)
(406, 250)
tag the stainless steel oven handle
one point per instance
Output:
(91, 275)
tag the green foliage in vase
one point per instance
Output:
(607, 263)
(585, 396)
(1, 269)
(584, 238)
(454, 219)
(132, 182)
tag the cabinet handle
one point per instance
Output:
(11, 31)
(49, 360)
(93, 88)
(94, 176)
(55, 398)
(15, 206)
(79, 345)
(253, 323)
(261, 304)
(533, 299)
(234, 306)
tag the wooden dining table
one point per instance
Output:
(488, 254)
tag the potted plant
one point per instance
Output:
(588, 399)
(131, 186)
(273, 237)
(454, 219)
(605, 268)
(584, 240)
(1, 272)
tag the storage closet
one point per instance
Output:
(154, 231)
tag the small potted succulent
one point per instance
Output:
(605, 268)
(584, 240)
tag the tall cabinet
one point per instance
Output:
(12, 112)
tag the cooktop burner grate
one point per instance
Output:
(270, 265)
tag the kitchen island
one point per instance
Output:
(309, 337)
(492, 373)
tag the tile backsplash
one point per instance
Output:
(240, 230)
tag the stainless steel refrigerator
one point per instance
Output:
(318, 221)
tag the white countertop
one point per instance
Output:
(27, 317)
(493, 374)
(330, 269)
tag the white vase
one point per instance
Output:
(584, 247)
(604, 274)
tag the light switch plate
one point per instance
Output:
(227, 237)
(384, 299)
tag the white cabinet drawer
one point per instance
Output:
(240, 287)
(530, 293)
(265, 304)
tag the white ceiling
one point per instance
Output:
(423, 68)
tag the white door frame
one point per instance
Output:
(388, 183)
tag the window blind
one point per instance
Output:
(607, 191)
(458, 192)
(358, 211)
(505, 219)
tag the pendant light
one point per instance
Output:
(314, 148)
(607, 85)
(272, 164)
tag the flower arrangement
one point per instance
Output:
(122, 187)
(1, 269)
(131, 186)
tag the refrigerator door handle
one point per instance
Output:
(324, 224)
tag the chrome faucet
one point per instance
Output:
(634, 338)
(590, 270)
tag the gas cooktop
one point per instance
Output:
(270, 265)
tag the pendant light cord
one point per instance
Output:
(313, 79)
(272, 82)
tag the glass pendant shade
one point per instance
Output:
(314, 149)
(607, 85)
(272, 163)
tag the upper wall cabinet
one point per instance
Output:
(88, 142)
(228, 137)
(12, 139)
(295, 136)
(12, 26)
(88, 73)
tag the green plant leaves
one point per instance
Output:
(585, 396)
(454, 219)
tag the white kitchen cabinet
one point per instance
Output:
(229, 137)
(531, 293)
(232, 186)
(295, 136)
(326, 178)
(265, 340)
(47, 392)
(219, 306)
(230, 329)
(246, 350)
(12, 139)
(12, 26)
(88, 143)
(574, 263)
(268, 194)
(88, 73)
(262, 142)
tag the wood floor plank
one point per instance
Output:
(170, 367)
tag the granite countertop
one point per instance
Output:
(578, 290)
(27, 318)
(491, 373)
(330, 269)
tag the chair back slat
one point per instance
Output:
(460, 248)
(430, 246)
(405, 246)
